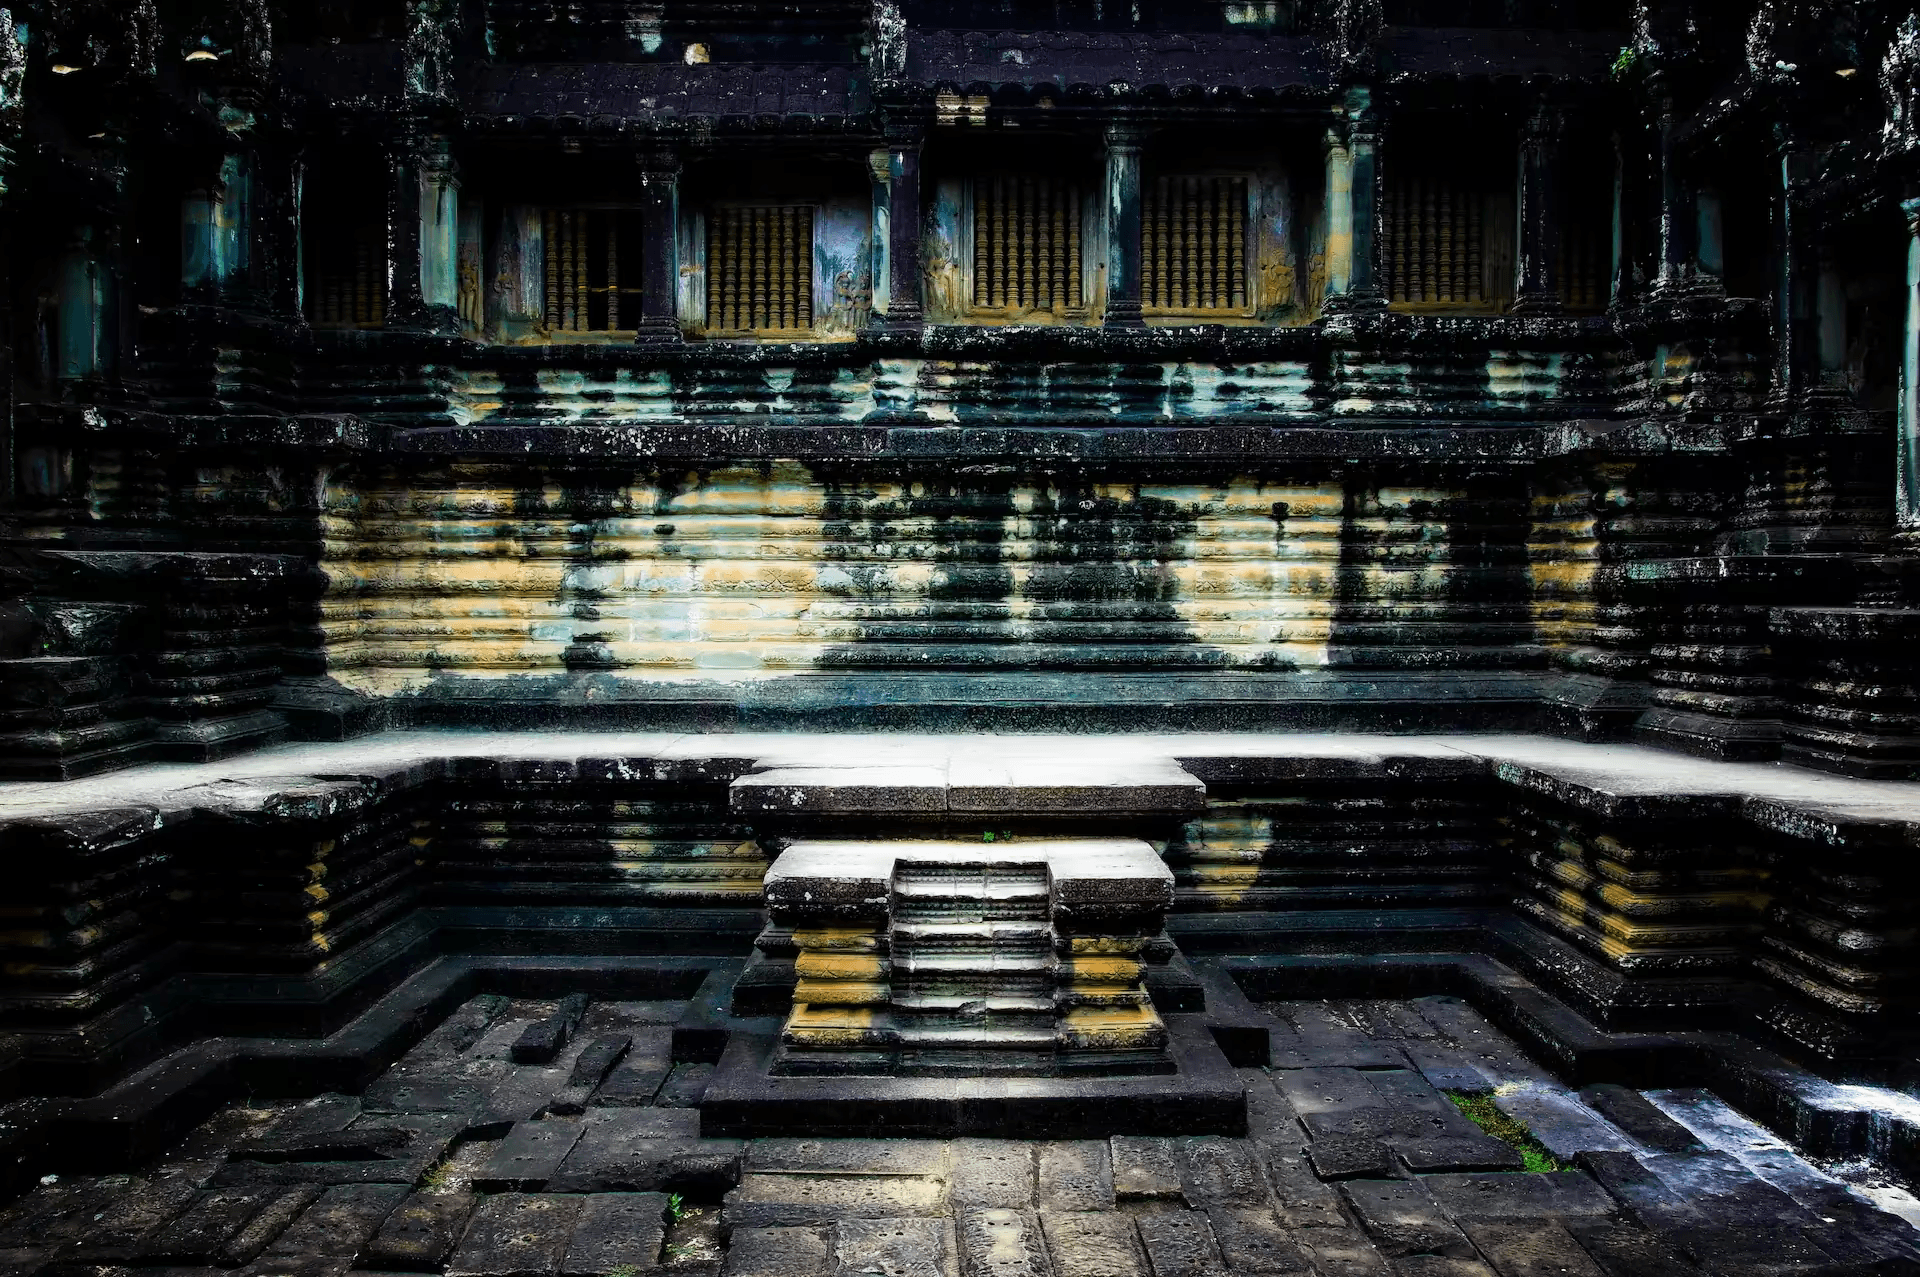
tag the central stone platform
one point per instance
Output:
(955, 958)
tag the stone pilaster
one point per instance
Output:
(1796, 332)
(1906, 510)
(1364, 289)
(406, 307)
(903, 311)
(658, 323)
(1536, 290)
(1123, 227)
(439, 237)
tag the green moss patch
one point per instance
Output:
(1486, 1116)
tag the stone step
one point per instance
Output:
(958, 934)
(985, 965)
(969, 1003)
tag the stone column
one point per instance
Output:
(1679, 219)
(1365, 289)
(406, 307)
(903, 311)
(880, 168)
(1339, 212)
(80, 342)
(658, 323)
(439, 238)
(1906, 514)
(1123, 227)
(1536, 289)
(216, 232)
(1796, 334)
(1625, 190)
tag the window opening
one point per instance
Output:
(1194, 250)
(760, 268)
(592, 269)
(1026, 244)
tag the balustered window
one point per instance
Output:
(760, 268)
(591, 269)
(1446, 232)
(1027, 251)
(346, 249)
(1193, 245)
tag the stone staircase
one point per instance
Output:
(965, 966)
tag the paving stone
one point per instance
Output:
(1074, 1175)
(1270, 1117)
(419, 1234)
(365, 1143)
(1531, 1195)
(542, 1040)
(1002, 1243)
(638, 1077)
(1342, 1252)
(1304, 1201)
(1326, 1090)
(1351, 1157)
(428, 1137)
(1492, 1052)
(267, 1223)
(109, 1223)
(590, 1069)
(1563, 1125)
(330, 1112)
(1403, 1219)
(1646, 1197)
(1324, 1040)
(1445, 1153)
(1093, 1244)
(1216, 1171)
(516, 1235)
(1255, 1242)
(199, 1233)
(854, 1156)
(992, 1173)
(904, 1247)
(528, 1157)
(405, 1094)
(646, 1150)
(1751, 1250)
(785, 1200)
(1447, 1068)
(1439, 1266)
(779, 1252)
(1145, 1166)
(1637, 1116)
(1726, 1190)
(1622, 1250)
(342, 1222)
(684, 1086)
(1180, 1244)
(1539, 1248)
(616, 1230)
(281, 1266)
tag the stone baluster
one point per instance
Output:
(1123, 228)
(659, 257)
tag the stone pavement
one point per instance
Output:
(526, 1138)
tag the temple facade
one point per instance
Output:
(1077, 365)
(1007, 638)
